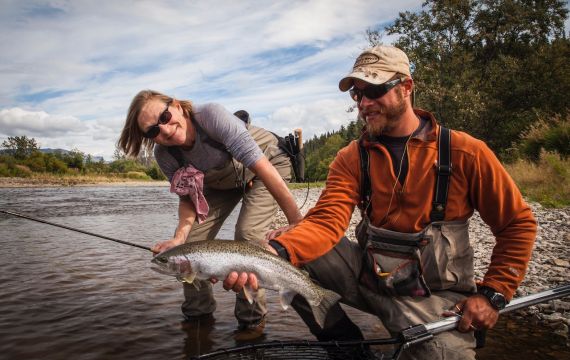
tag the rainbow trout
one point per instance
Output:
(217, 258)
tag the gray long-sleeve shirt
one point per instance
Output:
(216, 126)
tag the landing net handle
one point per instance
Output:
(361, 349)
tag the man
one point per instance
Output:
(416, 185)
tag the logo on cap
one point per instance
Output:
(366, 59)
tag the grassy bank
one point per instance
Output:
(546, 181)
(46, 179)
(316, 184)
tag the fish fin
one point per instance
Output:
(189, 278)
(196, 283)
(321, 309)
(285, 298)
(250, 294)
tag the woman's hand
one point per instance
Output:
(274, 233)
(165, 245)
(186, 217)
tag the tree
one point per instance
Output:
(317, 164)
(20, 147)
(490, 67)
(75, 159)
(145, 157)
(119, 154)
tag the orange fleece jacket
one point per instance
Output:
(478, 182)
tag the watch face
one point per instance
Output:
(498, 301)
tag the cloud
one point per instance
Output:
(75, 65)
(18, 122)
(314, 119)
(60, 131)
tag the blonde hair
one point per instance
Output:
(132, 138)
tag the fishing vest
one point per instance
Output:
(439, 257)
(233, 174)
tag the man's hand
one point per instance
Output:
(476, 313)
(237, 282)
(165, 245)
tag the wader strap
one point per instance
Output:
(365, 186)
(208, 139)
(443, 173)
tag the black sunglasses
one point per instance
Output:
(373, 91)
(164, 118)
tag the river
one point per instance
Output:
(68, 295)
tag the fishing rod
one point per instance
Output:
(518, 303)
(73, 229)
(406, 338)
(424, 332)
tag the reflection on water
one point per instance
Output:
(69, 295)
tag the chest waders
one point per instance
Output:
(231, 175)
(439, 257)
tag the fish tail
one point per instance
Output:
(321, 310)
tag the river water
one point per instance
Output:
(66, 295)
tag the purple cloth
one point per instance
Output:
(190, 181)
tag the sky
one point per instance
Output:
(69, 69)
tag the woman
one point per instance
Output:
(205, 145)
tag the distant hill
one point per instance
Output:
(63, 151)
(51, 151)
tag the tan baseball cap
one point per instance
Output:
(377, 65)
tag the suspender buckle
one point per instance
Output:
(438, 212)
(444, 170)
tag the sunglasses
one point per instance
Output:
(373, 91)
(163, 118)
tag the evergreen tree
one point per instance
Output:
(490, 67)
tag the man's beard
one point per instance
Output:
(388, 119)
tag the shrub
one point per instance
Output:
(7, 160)
(545, 181)
(4, 170)
(553, 136)
(154, 172)
(21, 171)
(137, 175)
(126, 165)
(36, 162)
(55, 165)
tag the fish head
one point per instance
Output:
(172, 263)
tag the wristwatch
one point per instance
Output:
(281, 251)
(497, 300)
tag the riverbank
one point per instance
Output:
(549, 266)
(18, 182)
